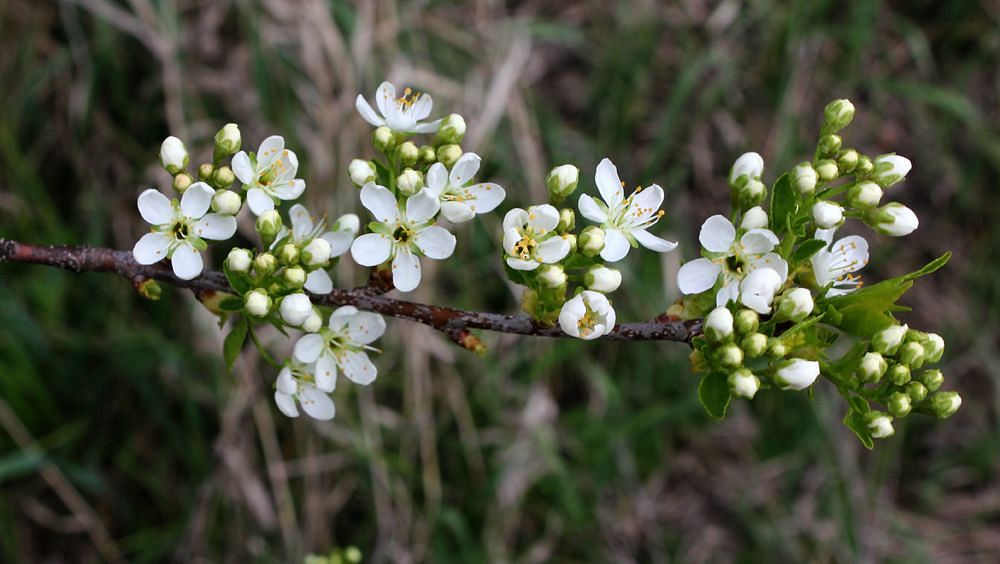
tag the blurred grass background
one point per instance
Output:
(122, 434)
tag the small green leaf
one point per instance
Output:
(807, 249)
(783, 204)
(233, 344)
(856, 422)
(232, 303)
(239, 281)
(714, 394)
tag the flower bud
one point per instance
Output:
(226, 202)
(893, 219)
(864, 195)
(898, 374)
(294, 277)
(223, 177)
(872, 367)
(567, 220)
(561, 182)
(428, 155)
(750, 193)
(890, 169)
(932, 379)
(239, 260)
(933, 347)
(227, 141)
(827, 170)
(451, 130)
(551, 275)
(916, 391)
(295, 309)
(409, 182)
(313, 323)
(754, 345)
(603, 279)
(205, 171)
(746, 321)
(181, 182)
(748, 166)
(847, 160)
(838, 114)
(268, 226)
(945, 404)
(571, 239)
(879, 424)
(173, 155)
(827, 214)
(591, 240)
(383, 139)
(795, 305)
(911, 354)
(899, 404)
(776, 347)
(719, 325)
(408, 153)
(743, 384)
(316, 253)
(287, 254)
(257, 302)
(729, 356)
(362, 172)
(887, 340)
(797, 374)
(347, 222)
(448, 155)
(804, 178)
(265, 264)
(754, 218)
(864, 166)
(829, 145)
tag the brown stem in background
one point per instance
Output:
(453, 322)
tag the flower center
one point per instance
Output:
(525, 247)
(408, 98)
(735, 263)
(180, 230)
(402, 234)
(587, 322)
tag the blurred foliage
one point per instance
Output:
(545, 450)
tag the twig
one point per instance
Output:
(453, 322)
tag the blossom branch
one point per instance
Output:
(453, 322)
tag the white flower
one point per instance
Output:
(588, 315)
(295, 384)
(754, 218)
(227, 202)
(730, 260)
(624, 220)
(890, 169)
(895, 220)
(173, 155)
(836, 264)
(343, 344)
(530, 238)
(179, 229)
(270, 174)
(400, 234)
(749, 164)
(795, 304)
(743, 383)
(239, 260)
(257, 302)
(362, 172)
(603, 279)
(295, 309)
(797, 374)
(305, 232)
(758, 288)
(398, 114)
(827, 215)
(459, 202)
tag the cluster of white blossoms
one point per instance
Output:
(774, 285)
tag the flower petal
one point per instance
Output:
(590, 209)
(717, 234)
(825, 235)
(464, 169)
(697, 276)
(366, 111)
(515, 218)
(155, 208)
(258, 201)
(196, 200)
(487, 196)
(186, 261)
(437, 179)
(851, 252)
(405, 271)
(319, 282)
(340, 241)
(151, 248)
(242, 167)
(366, 327)
(730, 292)
(286, 382)
(289, 190)
(774, 262)
(758, 241)
(385, 98)
(543, 218)
(216, 227)
(371, 249)
(341, 317)
(652, 242)
(422, 206)
(647, 201)
(286, 404)
(270, 150)
(358, 367)
(552, 250)
(380, 201)
(457, 212)
(427, 127)
(308, 348)
(435, 242)
(422, 107)
(317, 404)
(520, 264)
(616, 246)
(326, 373)
(609, 183)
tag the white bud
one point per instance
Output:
(750, 165)
(228, 139)
(226, 202)
(591, 240)
(257, 302)
(838, 114)
(804, 178)
(827, 214)
(562, 181)
(603, 279)
(880, 425)
(347, 222)
(362, 172)
(872, 367)
(719, 324)
(313, 323)
(409, 182)
(887, 341)
(316, 253)
(295, 309)
(743, 384)
(239, 260)
(551, 275)
(754, 218)
(797, 374)
(173, 155)
(890, 169)
(895, 220)
(796, 304)
(864, 195)
(451, 129)
(934, 347)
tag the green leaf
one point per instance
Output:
(233, 344)
(714, 394)
(238, 280)
(856, 422)
(806, 250)
(232, 303)
(783, 204)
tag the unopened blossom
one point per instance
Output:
(530, 238)
(403, 114)
(402, 235)
(461, 201)
(343, 345)
(173, 155)
(295, 309)
(624, 220)
(268, 175)
(827, 215)
(893, 219)
(797, 374)
(179, 230)
(296, 385)
(749, 165)
(890, 169)
(588, 315)
(754, 218)
(836, 263)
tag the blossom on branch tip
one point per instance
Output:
(307, 234)
(893, 219)
(179, 230)
(268, 175)
(836, 263)
(173, 155)
(530, 238)
(624, 220)
(342, 345)
(403, 114)
(890, 169)
(748, 166)
(587, 316)
(461, 202)
(797, 374)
